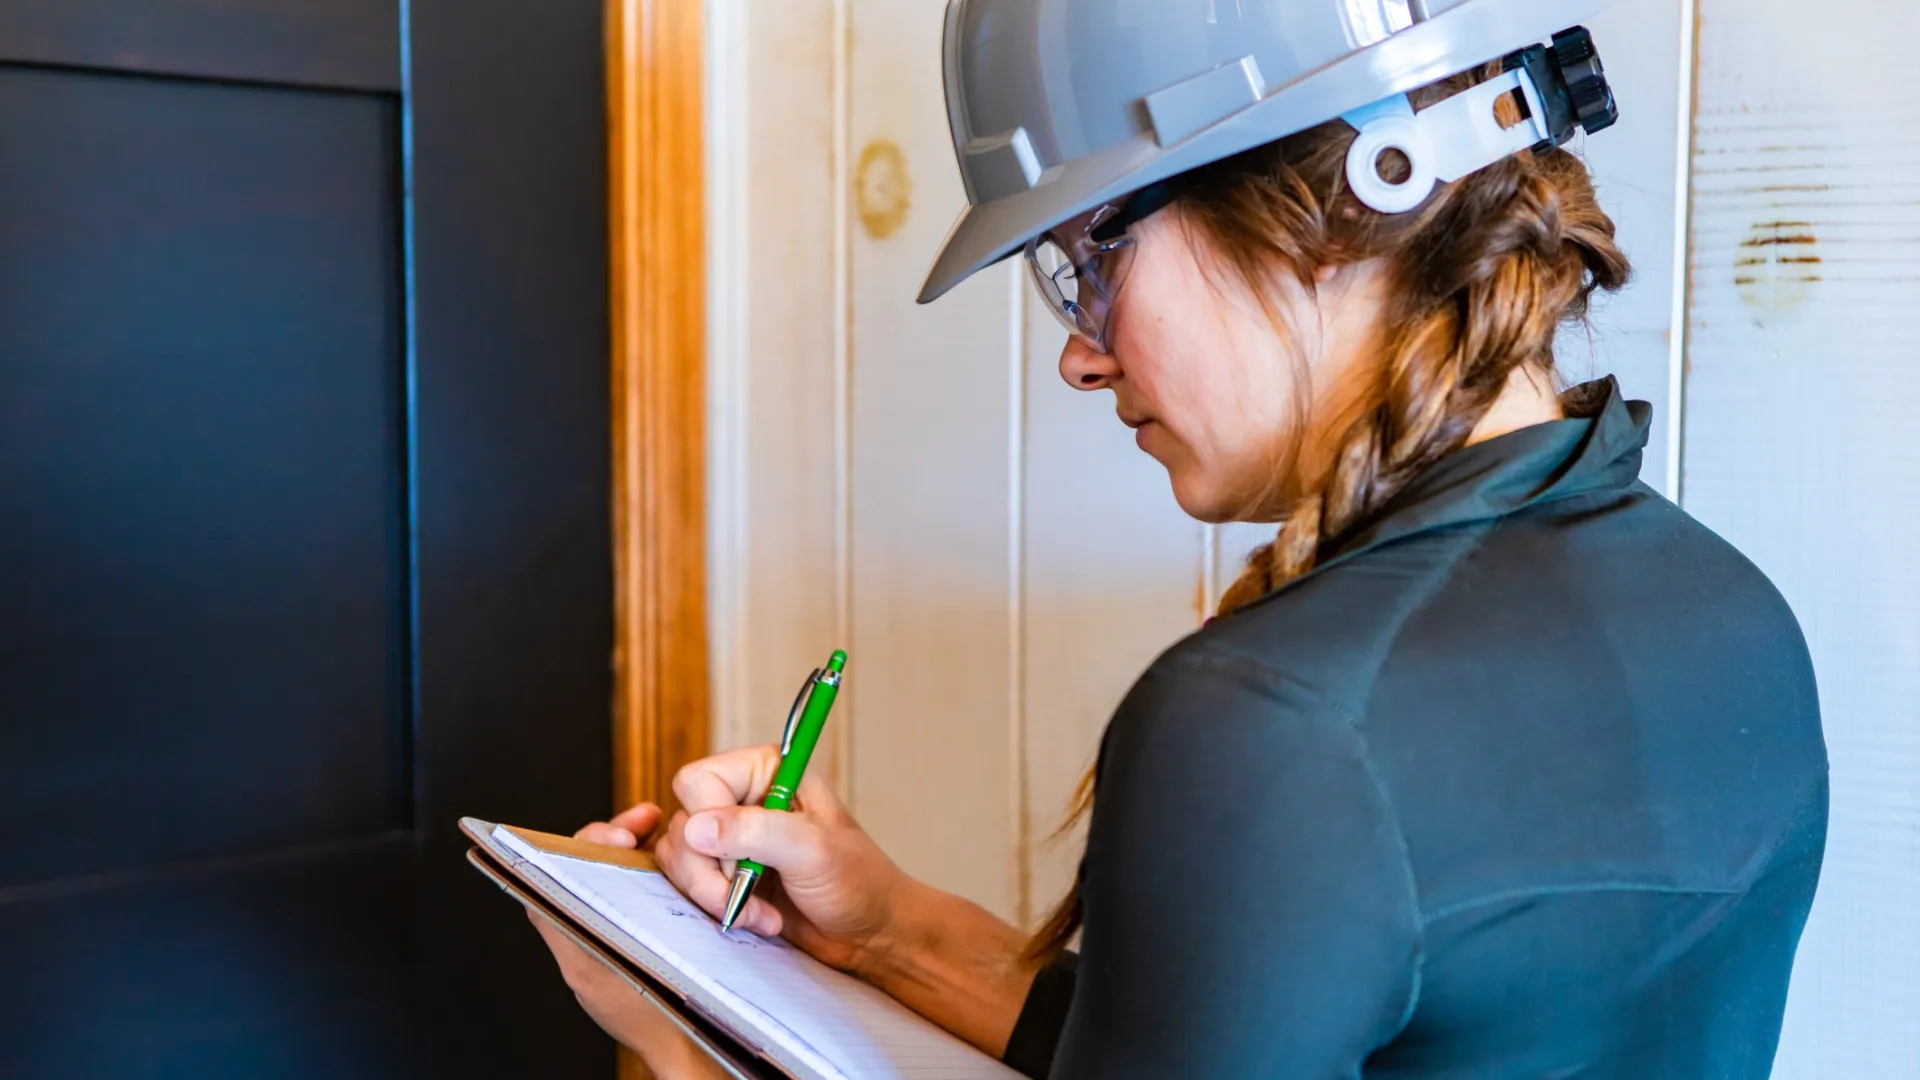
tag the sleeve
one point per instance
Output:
(1250, 906)
(1036, 1035)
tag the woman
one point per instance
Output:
(1495, 764)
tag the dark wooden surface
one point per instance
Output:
(514, 470)
(295, 964)
(200, 432)
(308, 548)
(339, 44)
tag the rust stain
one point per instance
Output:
(1776, 269)
(882, 189)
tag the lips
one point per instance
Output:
(1135, 422)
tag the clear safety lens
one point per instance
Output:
(1079, 291)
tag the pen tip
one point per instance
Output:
(737, 898)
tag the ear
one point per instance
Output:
(1326, 275)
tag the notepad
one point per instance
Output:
(836, 1025)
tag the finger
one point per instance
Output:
(762, 918)
(580, 971)
(818, 798)
(790, 843)
(640, 820)
(694, 874)
(562, 946)
(601, 832)
(727, 779)
(764, 914)
(705, 881)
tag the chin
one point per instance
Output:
(1202, 503)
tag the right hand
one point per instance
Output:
(834, 893)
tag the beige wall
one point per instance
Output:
(1802, 450)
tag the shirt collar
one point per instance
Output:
(1597, 448)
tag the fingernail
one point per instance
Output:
(703, 833)
(622, 837)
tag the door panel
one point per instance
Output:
(299, 964)
(201, 451)
(340, 44)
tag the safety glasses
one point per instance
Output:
(1079, 266)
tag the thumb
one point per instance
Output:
(790, 843)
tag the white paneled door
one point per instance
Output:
(919, 486)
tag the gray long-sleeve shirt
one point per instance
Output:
(1526, 781)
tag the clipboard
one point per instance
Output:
(757, 1007)
(706, 1021)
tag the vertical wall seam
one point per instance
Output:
(410, 391)
(728, 390)
(1209, 569)
(1021, 863)
(1680, 325)
(840, 87)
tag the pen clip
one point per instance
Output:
(793, 714)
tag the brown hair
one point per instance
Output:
(1479, 278)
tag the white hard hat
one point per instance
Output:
(1059, 106)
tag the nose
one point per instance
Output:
(1086, 369)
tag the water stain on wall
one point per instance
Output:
(1776, 268)
(883, 191)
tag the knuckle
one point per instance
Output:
(726, 828)
(743, 827)
(684, 781)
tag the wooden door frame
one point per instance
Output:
(655, 122)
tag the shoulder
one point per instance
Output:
(1238, 819)
(1336, 628)
(1521, 586)
(1206, 714)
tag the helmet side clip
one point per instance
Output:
(1572, 84)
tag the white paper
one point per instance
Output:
(836, 1024)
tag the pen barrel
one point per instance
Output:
(806, 736)
(799, 749)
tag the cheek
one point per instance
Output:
(1226, 414)
(1234, 427)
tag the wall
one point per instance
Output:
(1800, 448)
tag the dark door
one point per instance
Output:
(304, 538)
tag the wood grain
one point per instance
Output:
(655, 146)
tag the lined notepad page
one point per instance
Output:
(838, 1025)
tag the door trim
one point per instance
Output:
(655, 121)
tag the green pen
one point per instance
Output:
(805, 721)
